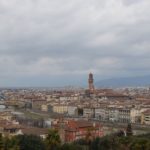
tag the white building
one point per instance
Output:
(113, 114)
(145, 117)
(101, 114)
(72, 110)
(135, 115)
(88, 112)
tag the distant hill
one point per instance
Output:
(125, 82)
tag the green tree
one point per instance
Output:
(10, 144)
(1, 142)
(71, 146)
(104, 144)
(53, 140)
(125, 142)
(28, 142)
(139, 144)
(89, 138)
(80, 111)
(95, 144)
(148, 145)
(129, 130)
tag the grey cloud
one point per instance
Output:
(45, 37)
(131, 2)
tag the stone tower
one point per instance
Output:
(91, 82)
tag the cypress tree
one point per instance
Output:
(129, 130)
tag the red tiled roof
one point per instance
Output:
(147, 112)
(34, 131)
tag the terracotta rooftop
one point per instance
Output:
(34, 131)
(147, 112)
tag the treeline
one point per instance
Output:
(121, 143)
(116, 141)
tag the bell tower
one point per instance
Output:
(91, 82)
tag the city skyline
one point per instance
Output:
(58, 43)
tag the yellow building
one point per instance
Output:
(145, 117)
(44, 107)
(61, 109)
(135, 115)
(6, 116)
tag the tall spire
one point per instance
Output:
(91, 82)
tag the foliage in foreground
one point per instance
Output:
(53, 142)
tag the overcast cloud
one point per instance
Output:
(49, 42)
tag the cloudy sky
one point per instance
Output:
(58, 42)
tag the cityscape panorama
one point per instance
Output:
(74, 74)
